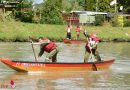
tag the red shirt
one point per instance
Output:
(78, 29)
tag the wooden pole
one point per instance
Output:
(33, 48)
(34, 52)
(94, 65)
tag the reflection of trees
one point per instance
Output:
(72, 80)
(68, 80)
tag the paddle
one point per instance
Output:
(93, 59)
(33, 49)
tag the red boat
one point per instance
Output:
(73, 41)
(29, 66)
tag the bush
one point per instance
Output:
(24, 16)
(99, 20)
(114, 22)
(51, 12)
(118, 20)
(127, 22)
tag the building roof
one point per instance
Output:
(89, 12)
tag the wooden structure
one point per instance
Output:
(5, 7)
(75, 17)
(71, 17)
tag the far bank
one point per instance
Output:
(20, 32)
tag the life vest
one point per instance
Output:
(49, 47)
(78, 29)
(92, 41)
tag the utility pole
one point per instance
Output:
(116, 6)
(96, 5)
(114, 2)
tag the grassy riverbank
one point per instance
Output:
(18, 31)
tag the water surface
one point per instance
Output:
(115, 78)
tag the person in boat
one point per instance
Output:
(91, 47)
(78, 31)
(68, 31)
(48, 46)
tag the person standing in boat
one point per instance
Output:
(68, 30)
(48, 46)
(91, 47)
(78, 31)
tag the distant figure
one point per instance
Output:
(49, 47)
(78, 31)
(68, 35)
(91, 47)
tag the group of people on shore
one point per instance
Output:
(68, 31)
(50, 47)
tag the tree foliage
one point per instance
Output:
(104, 5)
(90, 5)
(24, 12)
(51, 12)
(125, 4)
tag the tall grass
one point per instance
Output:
(18, 31)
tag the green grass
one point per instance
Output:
(18, 31)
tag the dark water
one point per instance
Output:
(117, 77)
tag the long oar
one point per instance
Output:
(94, 66)
(34, 52)
(33, 49)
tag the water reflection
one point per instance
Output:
(59, 81)
(115, 78)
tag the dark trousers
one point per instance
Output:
(53, 55)
(68, 36)
(95, 54)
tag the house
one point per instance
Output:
(82, 17)
(72, 18)
(6, 7)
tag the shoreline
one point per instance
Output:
(20, 32)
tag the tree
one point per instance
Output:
(88, 5)
(104, 5)
(125, 4)
(71, 5)
(51, 12)
(24, 11)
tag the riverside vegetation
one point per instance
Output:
(20, 32)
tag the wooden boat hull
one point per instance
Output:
(73, 41)
(27, 66)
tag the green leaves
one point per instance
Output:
(51, 12)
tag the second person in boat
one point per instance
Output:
(91, 47)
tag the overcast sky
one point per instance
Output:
(38, 1)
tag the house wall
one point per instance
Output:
(72, 17)
(86, 19)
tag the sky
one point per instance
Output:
(38, 1)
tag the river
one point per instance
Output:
(117, 77)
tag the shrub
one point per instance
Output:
(118, 20)
(127, 22)
(99, 20)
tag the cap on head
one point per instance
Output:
(93, 35)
